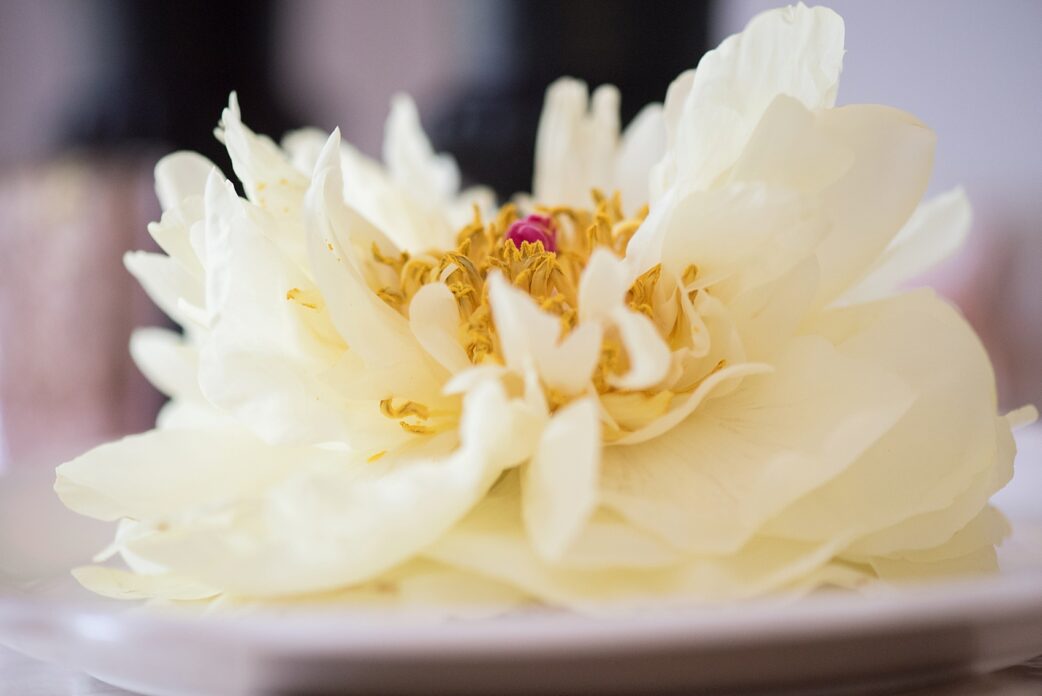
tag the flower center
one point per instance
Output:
(544, 254)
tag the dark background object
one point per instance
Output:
(638, 46)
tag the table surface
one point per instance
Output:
(22, 676)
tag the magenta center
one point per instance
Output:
(534, 228)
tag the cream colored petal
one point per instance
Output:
(796, 51)
(609, 542)
(166, 283)
(173, 233)
(169, 362)
(982, 562)
(559, 484)
(529, 337)
(181, 175)
(411, 160)
(866, 165)
(425, 589)
(663, 174)
(739, 237)
(575, 143)
(685, 406)
(161, 475)
(985, 531)
(933, 453)
(934, 232)
(710, 483)
(602, 290)
(491, 542)
(435, 320)
(302, 147)
(767, 316)
(120, 584)
(934, 529)
(263, 359)
(379, 335)
(334, 524)
(649, 355)
(643, 144)
(268, 177)
(603, 285)
(370, 190)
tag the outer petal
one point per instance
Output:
(432, 179)
(168, 284)
(334, 524)
(935, 231)
(797, 51)
(380, 336)
(867, 166)
(559, 485)
(710, 483)
(181, 175)
(169, 362)
(740, 237)
(161, 475)
(643, 144)
(934, 452)
(265, 355)
(120, 584)
(269, 179)
(575, 143)
(491, 542)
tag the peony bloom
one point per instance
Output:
(679, 371)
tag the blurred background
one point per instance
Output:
(95, 91)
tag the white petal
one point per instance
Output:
(335, 524)
(933, 453)
(608, 541)
(869, 166)
(643, 144)
(372, 329)
(164, 474)
(711, 482)
(120, 584)
(181, 175)
(166, 282)
(768, 316)
(411, 160)
(167, 360)
(434, 319)
(576, 142)
(559, 484)
(529, 337)
(934, 232)
(491, 542)
(602, 289)
(268, 177)
(739, 237)
(303, 146)
(649, 355)
(265, 354)
(678, 413)
(933, 530)
(796, 51)
(173, 233)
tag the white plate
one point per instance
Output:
(824, 643)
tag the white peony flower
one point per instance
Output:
(697, 382)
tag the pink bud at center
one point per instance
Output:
(534, 228)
